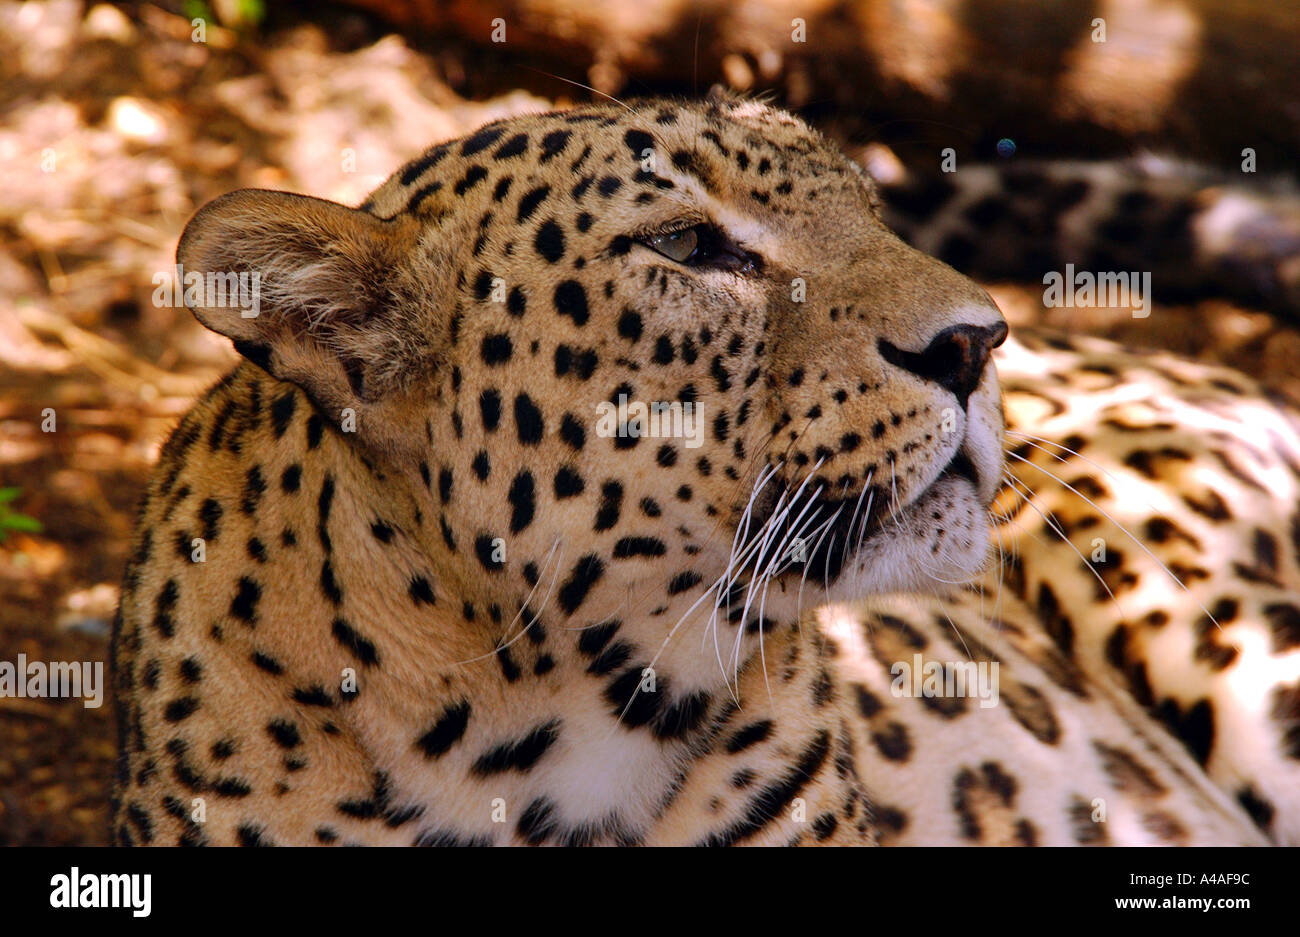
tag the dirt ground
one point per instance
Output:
(114, 127)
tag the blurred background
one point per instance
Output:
(117, 121)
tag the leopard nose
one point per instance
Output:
(954, 359)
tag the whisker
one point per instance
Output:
(738, 562)
(502, 646)
(772, 570)
(578, 84)
(1110, 517)
(1066, 540)
(761, 573)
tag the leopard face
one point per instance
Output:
(485, 307)
(438, 484)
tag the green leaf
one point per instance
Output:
(8, 494)
(21, 522)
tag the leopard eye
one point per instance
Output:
(702, 246)
(675, 245)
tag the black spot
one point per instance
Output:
(537, 822)
(628, 547)
(509, 669)
(244, 605)
(823, 690)
(420, 591)
(282, 408)
(516, 302)
(580, 361)
(682, 717)
(323, 505)
(523, 501)
(611, 499)
(328, 584)
(315, 428)
(629, 325)
(314, 695)
(893, 741)
(267, 663)
(749, 735)
(611, 658)
(140, 819)
(423, 164)
(528, 420)
(521, 754)
(210, 514)
(1259, 808)
(553, 144)
(568, 483)
(683, 581)
(585, 574)
(216, 436)
(181, 709)
(163, 608)
(638, 141)
(512, 147)
(571, 432)
(531, 199)
(1195, 728)
(285, 734)
(361, 648)
(423, 193)
(549, 241)
(446, 732)
(594, 638)
(473, 176)
(252, 836)
(824, 826)
(632, 706)
(1284, 625)
(571, 301)
(483, 546)
(496, 349)
(482, 289)
(291, 479)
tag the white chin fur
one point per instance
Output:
(915, 550)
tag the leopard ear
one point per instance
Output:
(316, 293)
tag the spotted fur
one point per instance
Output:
(436, 606)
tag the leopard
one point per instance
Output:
(615, 476)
